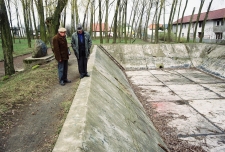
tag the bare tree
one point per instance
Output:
(40, 10)
(106, 24)
(196, 23)
(141, 19)
(190, 24)
(181, 24)
(100, 19)
(72, 16)
(115, 21)
(86, 12)
(92, 19)
(53, 22)
(147, 20)
(7, 42)
(34, 20)
(170, 21)
(203, 25)
(178, 19)
(157, 25)
(26, 12)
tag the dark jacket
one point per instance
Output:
(75, 45)
(60, 47)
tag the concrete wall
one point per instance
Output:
(105, 115)
(206, 57)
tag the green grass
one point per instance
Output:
(20, 47)
(26, 87)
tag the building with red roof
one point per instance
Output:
(214, 27)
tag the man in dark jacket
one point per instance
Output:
(81, 44)
(60, 50)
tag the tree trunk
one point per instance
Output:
(26, 8)
(196, 25)
(178, 19)
(106, 21)
(76, 11)
(72, 17)
(125, 20)
(86, 12)
(147, 21)
(92, 19)
(181, 24)
(119, 25)
(100, 20)
(34, 21)
(203, 26)
(169, 22)
(140, 22)
(42, 29)
(189, 26)
(130, 29)
(7, 42)
(161, 5)
(10, 19)
(17, 17)
(54, 22)
(115, 22)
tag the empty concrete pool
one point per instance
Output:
(181, 88)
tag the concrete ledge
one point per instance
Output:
(106, 115)
(31, 61)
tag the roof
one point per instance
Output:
(213, 15)
(153, 26)
(96, 27)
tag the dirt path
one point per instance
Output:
(36, 127)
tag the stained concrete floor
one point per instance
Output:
(195, 100)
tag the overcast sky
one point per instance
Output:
(217, 4)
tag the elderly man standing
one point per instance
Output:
(81, 44)
(60, 50)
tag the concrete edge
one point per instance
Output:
(75, 120)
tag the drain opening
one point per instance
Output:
(161, 66)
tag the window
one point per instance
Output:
(200, 24)
(217, 23)
(219, 35)
(182, 34)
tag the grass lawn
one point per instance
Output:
(20, 47)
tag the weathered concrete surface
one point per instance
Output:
(106, 115)
(182, 88)
(206, 57)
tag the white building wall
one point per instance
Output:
(208, 31)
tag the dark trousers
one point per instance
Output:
(62, 70)
(82, 65)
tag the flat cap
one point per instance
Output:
(62, 29)
(79, 27)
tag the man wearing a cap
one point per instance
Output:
(60, 50)
(81, 44)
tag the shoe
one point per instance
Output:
(67, 81)
(87, 75)
(81, 76)
(62, 83)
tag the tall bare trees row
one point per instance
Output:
(131, 18)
